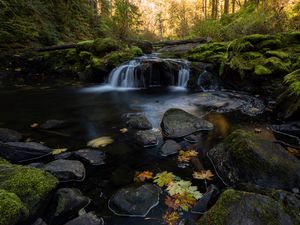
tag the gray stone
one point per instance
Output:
(146, 138)
(177, 123)
(135, 200)
(66, 170)
(86, 219)
(93, 157)
(170, 147)
(8, 135)
(138, 121)
(23, 151)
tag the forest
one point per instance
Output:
(150, 112)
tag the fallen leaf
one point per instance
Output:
(203, 175)
(100, 142)
(141, 177)
(185, 156)
(34, 125)
(171, 217)
(183, 187)
(124, 130)
(164, 178)
(58, 151)
(171, 203)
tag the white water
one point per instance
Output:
(183, 77)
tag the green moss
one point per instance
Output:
(3, 161)
(106, 45)
(252, 55)
(293, 80)
(97, 63)
(85, 46)
(278, 66)
(12, 209)
(271, 44)
(256, 38)
(278, 53)
(261, 70)
(136, 51)
(29, 184)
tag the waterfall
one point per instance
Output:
(149, 71)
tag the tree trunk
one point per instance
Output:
(233, 6)
(226, 6)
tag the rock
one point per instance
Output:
(177, 123)
(8, 135)
(86, 219)
(52, 124)
(135, 200)
(36, 165)
(229, 101)
(12, 210)
(93, 157)
(203, 204)
(170, 147)
(67, 202)
(194, 138)
(240, 208)
(66, 170)
(39, 221)
(23, 151)
(65, 155)
(292, 128)
(31, 185)
(137, 121)
(146, 138)
(244, 158)
(208, 81)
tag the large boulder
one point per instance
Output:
(240, 208)
(7, 135)
(86, 219)
(177, 123)
(137, 121)
(66, 170)
(12, 209)
(146, 138)
(246, 158)
(23, 151)
(31, 185)
(66, 203)
(135, 200)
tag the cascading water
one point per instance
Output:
(150, 71)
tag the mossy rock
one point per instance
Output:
(12, 210)
(239, 208)
(293, 80)
(97, 63)
(85, 46)
(249, 158)
(261, 70)
(270, 44)
(31, 185)
(278, 66)
(277, 53)
(256, 38)
(106, 45)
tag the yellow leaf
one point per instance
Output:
(141, 177)
(100, 142)
(185, 156)
(124, 130)
(34, 125)
(203, 175)
(164, 178)
(171, 217)
(58, 151)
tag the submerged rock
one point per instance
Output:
(146, 138)
(244, 158)
(135, 201)
(229, 101)
(66, 170)
(31, 185)
(86, 219)
(93, 157)
(52, 124)
(8, 135)
(240, 208)
(137, 121)
(23, 151)
(67, 202)
(170, 147)
(177, 123)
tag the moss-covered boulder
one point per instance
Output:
(246, 158)
(31, 185)
(12, 210)
(240, 208)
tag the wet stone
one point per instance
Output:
(93, 157)
(137, 121)
(170, 147)
(146, 138)
(66, 170)
(8, 135)
(86, 219)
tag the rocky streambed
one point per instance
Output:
(153, 156)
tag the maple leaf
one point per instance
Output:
(185, 201)
(58, 151)
(164, 178)
(171, 217)
(203, 175)
(185, 156)
(141, 177)
(100, 142)
(183, 187)
(172, 203)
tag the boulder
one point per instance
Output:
(12, 209)
(66, 170)
(246, 158)
(177, 123)
(23, 151)
(92, 157)
(52, 124)
(31, 185)
(137, 121)
(135, 201)
(8, 135)
(240, 208)
(66, 203)
(86, 219)
(146, 138)
(203, 204)
(170, 147)
(39, 221)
